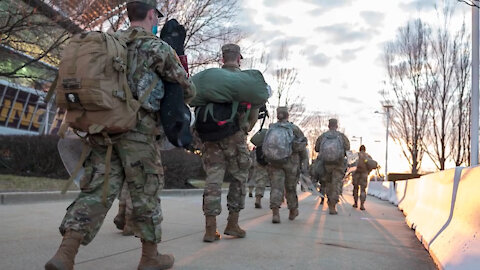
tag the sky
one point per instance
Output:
(337, 48)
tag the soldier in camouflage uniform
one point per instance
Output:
(228, 154)
(335, 171)
(283, 177)
(135, 158)
(258, 178)
(360, 178)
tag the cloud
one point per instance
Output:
(273, 3)
(373, 18)
(326, 80)
(349, 54)
(278, 20)
(351, 99)
(319, 59)
(330, 4)
(417, 5)
(345, 33)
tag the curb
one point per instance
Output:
(9, 198)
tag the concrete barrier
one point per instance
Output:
(435, 197)
(457, 244)
(378, 189)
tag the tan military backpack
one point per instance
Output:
(92, 84)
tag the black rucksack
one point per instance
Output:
(174, 113)
(260, 157)
(216, 121)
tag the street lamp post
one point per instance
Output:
(475, 91)
(387, 108)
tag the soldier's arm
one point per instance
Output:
(318, 143)
(168, 66)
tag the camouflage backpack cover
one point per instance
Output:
(92, 84)
(331, 149)
(278, 142)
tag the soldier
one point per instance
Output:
(284, 176)
(332, 147)
(251, 174)
(135, 158)
(229, 154)
(360, 178)
(260, 178)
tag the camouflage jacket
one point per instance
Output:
(246, 125)
(150, 58)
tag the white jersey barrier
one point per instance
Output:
(444, 210)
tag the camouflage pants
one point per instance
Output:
(227, 155)
(135, 159)
(333, 179)
(258, 179)
(125, 200)
(283, 178)
(261, 179)
(360, 181)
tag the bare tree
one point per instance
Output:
(406, 59)
(440, 79)
(461, 112)
(472, 3)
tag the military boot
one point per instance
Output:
(293, 213)
(276, 215)
(152, 260)
(64, 259)
(258, 201)
(331, 208)
(211, 233)
(355, 199)
(362, 207)
(119, 219)
(232, 226)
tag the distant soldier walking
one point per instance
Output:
(284, 148)
(332, 147)
(360, 180)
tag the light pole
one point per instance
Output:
(387, 108)
(475, 94)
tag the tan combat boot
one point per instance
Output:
(119, 219)
(232, 226)
(258, 201)
(211, 233)
(152, 260)
(293, 213)
(275, 215)
(64, 259)
(331, 208)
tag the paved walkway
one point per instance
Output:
(377, 238)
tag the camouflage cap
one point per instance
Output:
(332, 122)
(231, 48)
(151, 3)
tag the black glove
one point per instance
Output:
(174, 34)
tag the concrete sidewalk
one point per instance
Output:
(377, 238)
